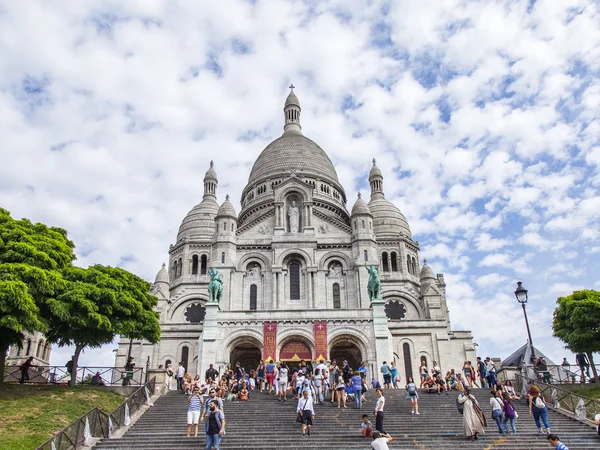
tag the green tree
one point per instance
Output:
(32, 257)
(577, 323)
(99, 303)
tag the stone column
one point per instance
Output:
(274, 292)
(207, 342)
(383, 337)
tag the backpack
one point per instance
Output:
(510, 410)
(539, 403)
(460, 406)
(412, 389)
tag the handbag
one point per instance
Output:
(299, 416)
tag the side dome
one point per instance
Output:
(200, 221)
(227, 209)
(426, 272)
(360, 207)
(387, 218)
(162, 276)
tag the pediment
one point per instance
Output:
(432, 291)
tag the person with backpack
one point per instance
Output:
(413, 396)
(387, 375)
(510, 414)
(356, 381)
(482, 372)
(497, 410)
(537, 409)
(473, 418)
(215, 426)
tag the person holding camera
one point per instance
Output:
(194, 407)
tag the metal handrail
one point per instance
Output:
(110, 376)
(562, 400)
(72, 436)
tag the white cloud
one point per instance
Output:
(483, 116)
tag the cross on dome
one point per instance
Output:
(292, 87)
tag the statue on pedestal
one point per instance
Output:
(294, 216)
(215, 287)
(374, 286)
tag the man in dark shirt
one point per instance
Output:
(583, 363)
(215, 426)
(211, 373)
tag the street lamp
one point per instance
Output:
(521, 294)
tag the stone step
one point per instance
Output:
(250, 424)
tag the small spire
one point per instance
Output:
(374, 161)
(212, 163)
(291, 112)
(359, 195)
(164, 265)
(227, 198)
(425, 261)
(292, 87)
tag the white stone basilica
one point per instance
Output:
(294, 275)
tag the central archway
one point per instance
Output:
(345, 349)
(247, 354)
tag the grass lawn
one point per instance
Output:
(30, 414)
(591, 393)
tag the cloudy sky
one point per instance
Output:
(484, 116)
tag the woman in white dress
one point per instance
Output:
(473, 418)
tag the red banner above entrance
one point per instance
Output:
(320, 341)
(295, 351)
(270, 346)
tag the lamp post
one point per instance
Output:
(521, 294)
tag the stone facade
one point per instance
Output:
(33, 344)
(294, 256)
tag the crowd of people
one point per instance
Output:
(314, 384)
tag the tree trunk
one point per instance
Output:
(3, 350)
(78, 348)
(590, 356)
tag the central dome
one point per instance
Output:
(293, 152)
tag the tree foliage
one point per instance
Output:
(32, 257)
(577, 322)
(98, 303)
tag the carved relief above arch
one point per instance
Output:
(293, 186)
(304, 257)
(344, 260)
(285, 336)
(261, 259)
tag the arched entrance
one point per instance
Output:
(295, 351)
(247, 354)
(345, 348)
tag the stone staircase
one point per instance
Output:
(263, 423)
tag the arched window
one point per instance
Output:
(337, 304)
(47, 351)
(414, 265)
(195, 265)
(185, 353)
(223, 258)
(27, 352)
(224, 226)
(366, 255)
(363, 224)
(408, 264)
(394, 262)
(179, 267)
(19, 348)
(203, 264)
(384, 262)
(174, 270)
(40, 349)
(253, 296)
(231, 226)
(167, 362)
(294, 281)
(424, 358)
